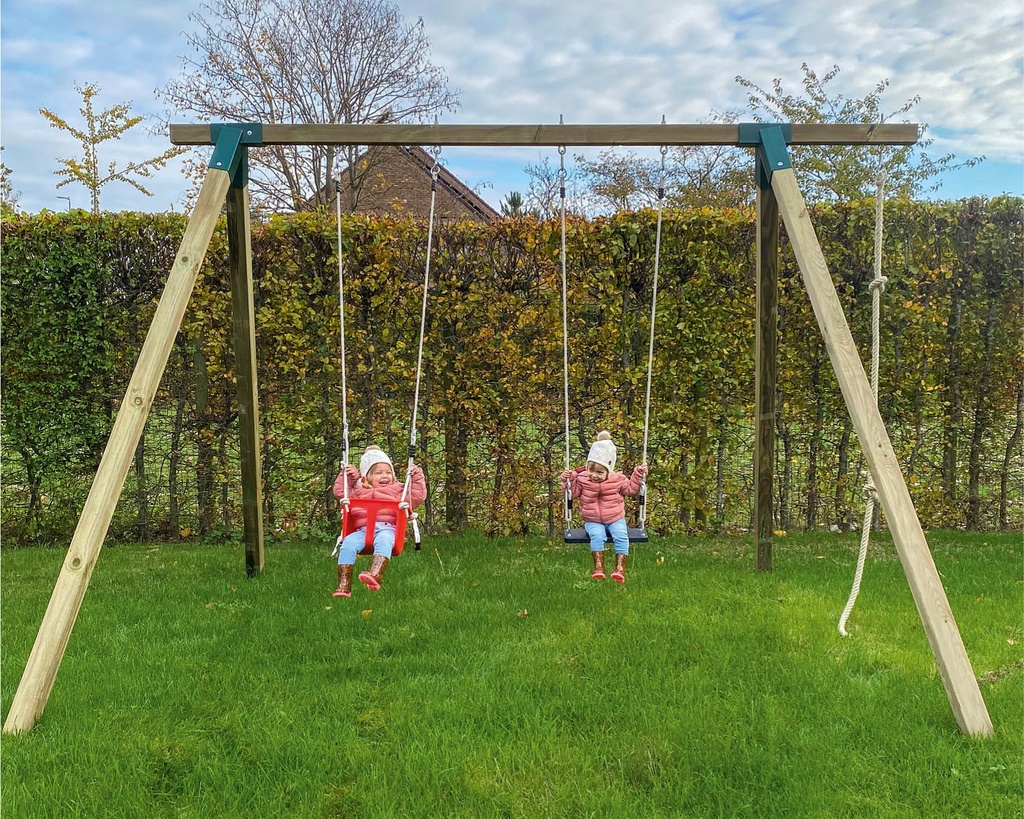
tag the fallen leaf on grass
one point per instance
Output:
(367, 612)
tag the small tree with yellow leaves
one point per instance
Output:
(100, 127)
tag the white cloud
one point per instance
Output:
(533, 60)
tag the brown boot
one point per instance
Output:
(373, 577)
(598, 566)
(619, 575)
(344, 581)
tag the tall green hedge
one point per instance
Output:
(79, 293)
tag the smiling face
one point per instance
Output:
(596, 472)
(380, 475)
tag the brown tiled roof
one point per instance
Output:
(399, 182)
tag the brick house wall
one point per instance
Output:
(399, 183)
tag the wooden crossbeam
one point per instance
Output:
(552, 135)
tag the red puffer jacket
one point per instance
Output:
(391, 492)
(602, 501)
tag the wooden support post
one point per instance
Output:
(243, 324)
(929, 595)
(765, 373)
(69, 591)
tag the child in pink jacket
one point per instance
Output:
(375, 479)
(601, 492)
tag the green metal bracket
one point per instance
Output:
(230, 152)
(750, 132)
(770, 140)
(252, 132)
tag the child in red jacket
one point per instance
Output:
(600, 490)
(374, 479)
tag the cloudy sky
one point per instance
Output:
(532, 61)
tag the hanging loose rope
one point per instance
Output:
(870, 494)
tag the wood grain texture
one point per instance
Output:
(243, 329)
(766, 375)
(73, 581)
(926, 587)
(551, 135)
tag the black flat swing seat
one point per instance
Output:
(636, 535)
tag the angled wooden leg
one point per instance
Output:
(929, 595)
(61, 612)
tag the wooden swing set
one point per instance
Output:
(778, 195)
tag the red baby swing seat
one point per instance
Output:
(373, 508)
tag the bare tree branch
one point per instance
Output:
(308, 61)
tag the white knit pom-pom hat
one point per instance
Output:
(602, 451)
(374, 455)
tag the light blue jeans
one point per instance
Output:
(352, 545)
(616, 529)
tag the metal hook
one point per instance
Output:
(436, 168)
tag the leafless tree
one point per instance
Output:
(544, 196)
(308, 61)
(692, 176)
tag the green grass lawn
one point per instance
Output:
(495, 679)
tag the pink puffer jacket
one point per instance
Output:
(391, 492)
(603, 501)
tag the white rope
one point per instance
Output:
(434, 171)
(344, 386)
(870, 494)
(650, 346)
(403, 503)
(341, 315)
(565, 332)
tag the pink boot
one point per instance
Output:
(373, 577)
(619, 575)
(344, 582)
